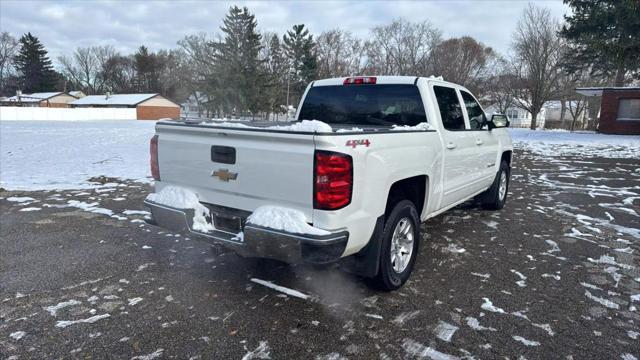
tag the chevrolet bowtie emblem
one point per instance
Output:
(224, 175)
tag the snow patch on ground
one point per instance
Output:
(30, 209)
(281, 289)
(602, 301)
(260, 352)
(91, 320)
(444, 331)
(134, 301)
(53, 309)
(405, 316)
(45, 155)
(20, 199)
(90, 207)
(154, 355)
(453, 249)
(475, 324)
(415, 349)
(522, 282)
(280, 218)
(610, 260)
(488, 305)
(525, 341)
(17, 335)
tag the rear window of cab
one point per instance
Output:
(364, 105)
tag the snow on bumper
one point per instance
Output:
(282, 237)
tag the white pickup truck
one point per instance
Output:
(381, 155)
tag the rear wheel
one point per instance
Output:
(400, 240)
(496, 196)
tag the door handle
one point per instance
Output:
(478, 142)
(451, 145)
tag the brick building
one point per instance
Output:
(148, 106)
(619, 109)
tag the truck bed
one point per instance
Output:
(280, 126)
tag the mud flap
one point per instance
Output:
(367, 261)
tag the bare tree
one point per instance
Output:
(577, 107)
(84, 68)
(339, 54)
(537, 49)
(497, 87)
(8, 50)
(118, 74)
(199, 70)
(401, 48)
(462, 60)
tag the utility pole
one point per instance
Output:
(288, 81)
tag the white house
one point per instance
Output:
(554, 112)
(194, 106)
(518, 117)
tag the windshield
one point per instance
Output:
(364, 105)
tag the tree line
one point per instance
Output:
(242, 71)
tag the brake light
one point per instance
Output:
(155, 168)
(360, 80)
(333, 180)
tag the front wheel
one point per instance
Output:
(496, 196)
(400, 240)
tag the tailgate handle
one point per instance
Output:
(223, 154)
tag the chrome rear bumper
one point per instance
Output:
(256, 241)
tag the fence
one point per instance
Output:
(66, 114)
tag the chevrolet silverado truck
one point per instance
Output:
(367, 160)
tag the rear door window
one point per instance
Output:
(450, 109)
(477, 118)
(364, 105)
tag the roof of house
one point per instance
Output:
(116, 99)
(34, 97)
(597, 91)
(76, 93)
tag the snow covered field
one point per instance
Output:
(43, 155)
(581, 144)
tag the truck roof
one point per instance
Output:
(384, 79)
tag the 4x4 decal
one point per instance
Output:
(354, 143)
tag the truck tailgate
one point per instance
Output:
(270, 167)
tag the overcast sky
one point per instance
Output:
(64, 25)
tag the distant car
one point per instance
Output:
(382, 154)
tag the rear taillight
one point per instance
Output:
(333, 180)
(155, 168)
(360, 80)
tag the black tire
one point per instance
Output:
(388, 279)
(492, 199)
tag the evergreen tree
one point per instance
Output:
(146, 68)
(276, 68)
(299, 48)
(605, 36)
(36, 73)
(239, 68)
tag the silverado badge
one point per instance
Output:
(224, 175)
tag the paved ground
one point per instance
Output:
(553, 275)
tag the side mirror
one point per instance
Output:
(498, 121)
